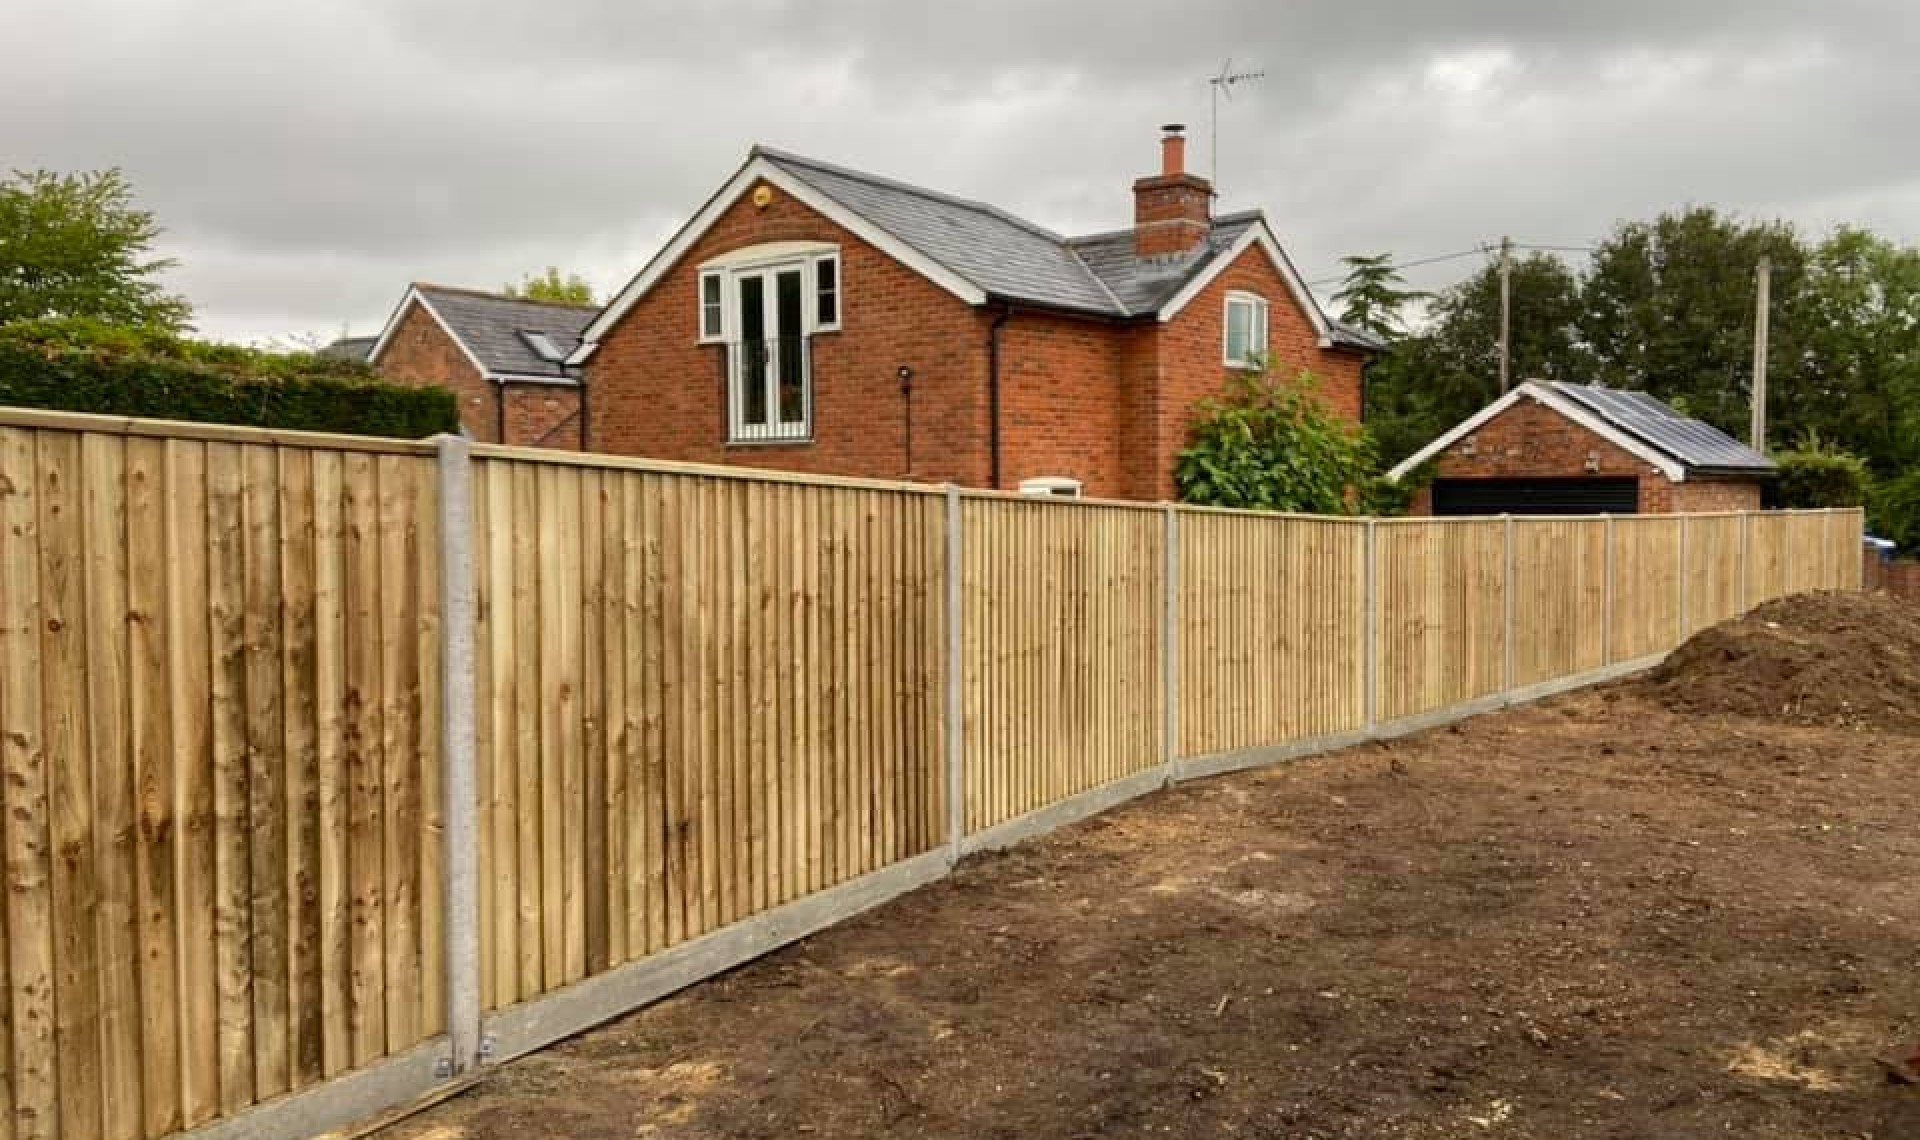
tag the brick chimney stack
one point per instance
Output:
(1172, 211)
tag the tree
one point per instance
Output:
(75, 245)
(572, 289)
(1374, 295)
(1443, 374)
(1268, 445)
(1860, 315)
(1669, 310)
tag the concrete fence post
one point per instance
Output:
(1372, 624)
(1170, 642)
(1506, 596)
(460, 812)
(956, 682)
(1606, 590)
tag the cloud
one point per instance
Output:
(310, 156)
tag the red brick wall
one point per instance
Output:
(1062, 406)
(1188, 365)
(1530, 440)
(1703, 495)
(655, 391)
(422, 355)
(543, 415)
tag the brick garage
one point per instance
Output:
(1564, 448)
(1087, 368)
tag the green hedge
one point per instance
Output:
(126, 374)
(1816, 477)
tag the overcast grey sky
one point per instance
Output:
(309, 157)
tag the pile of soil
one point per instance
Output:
(1828, 659)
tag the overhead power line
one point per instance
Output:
(1487, 248)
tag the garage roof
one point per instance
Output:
(1693, 442)
(1678, 445)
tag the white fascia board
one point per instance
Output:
(1261, 235)
(415, 297)
(759, 169)
(1541, 394)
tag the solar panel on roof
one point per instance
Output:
(1691, 441)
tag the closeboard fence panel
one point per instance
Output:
(1770, 554)
(1646, 568)
(1062, 646)
(1272, 629)
(1440, 624)
(220, 661)
(1715, 589)
(700, 697)
(1559, 598)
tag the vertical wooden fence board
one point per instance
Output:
(103, 471)
(35, 1080)
(331, 782)
(365, 735)
(300, 682)
(74, 894)
(189, 697)
(150, 726)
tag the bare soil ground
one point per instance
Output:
(1682, 906)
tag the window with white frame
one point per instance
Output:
(765, 303)
(1246, 334)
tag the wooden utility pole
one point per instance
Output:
(1506, 314)
(1764, 289)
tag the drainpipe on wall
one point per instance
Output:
(586, 410)
(499, 411)
(993, 392)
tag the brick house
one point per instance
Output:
(820, 319)
(504, 358)
(1559, 448)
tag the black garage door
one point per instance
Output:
(1536, 496)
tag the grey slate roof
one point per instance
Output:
(1007, 257)
(1699, 446)
(490, 326)
(1012, 259)
(349, 348)
(1143, 284)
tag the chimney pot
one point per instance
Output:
(1173, 150)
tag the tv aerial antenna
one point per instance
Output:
(1223, 84)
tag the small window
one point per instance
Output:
(712, 309)
(1246, 330)
(542, 346)
(1054, 486)
(826, 296)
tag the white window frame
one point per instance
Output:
(813, 292)
(1052, 486)
(1257, 330)
(719, 335)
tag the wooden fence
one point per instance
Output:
(334, 766)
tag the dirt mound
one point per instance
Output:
(1839, 660)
